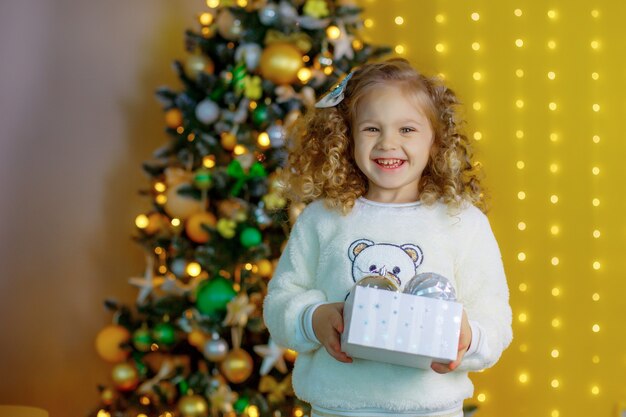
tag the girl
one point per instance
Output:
(382, 163)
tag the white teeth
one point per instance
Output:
(389, 162)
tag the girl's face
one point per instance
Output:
(392, 142)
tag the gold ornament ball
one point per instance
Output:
(125, 377)
(107, 396)
(280, 63)
(193, 406)
(195, 64)
(237, 366)
(265, 268)
(181, 206)
(173, 118)
(156, 223)
(228, 141)
(194, 229)
(196, 338)
(108, 343)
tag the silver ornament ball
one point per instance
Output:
(215, 349)
(269, 14)
(250, 53)
(207, 111)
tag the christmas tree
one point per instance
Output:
(195, 343)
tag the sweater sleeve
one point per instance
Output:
(291, 289)
(483, 291)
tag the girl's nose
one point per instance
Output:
(386, 142)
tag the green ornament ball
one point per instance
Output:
(213, 296)
(260, 114)
(164, 333)
(142, 339)
(202, 179)
(241, 404)
(250, 237)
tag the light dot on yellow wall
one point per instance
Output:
(596, 107)
(477, 76)
(368, 23)
(552, 106)
(555, 413)
(440, 47)
(481, 397)
(519, 73)
(523, 348)
(595, 359)
(595, 390)
(552, 14)
(595, 76)
(595, 202)
(595, 296)
(554, 137)
(596, 139)
(556, 292)
(595, 328)
(476, 105)
(554, 261)
(555, 353)
(595, 170)
(554, 199)
(521, 226)
(595, 44)
(475, 46)
(478, 135)
(554, 230)
(554, 168)
(596, 265)
(399, 49)
(519, 104)
(519, 134)
(521, 195)
(521, 256)
(399, 20)
(556, 322)
(523, 377)
(440, 18)
(519, 43)
(595, 13)
(520, 164)
(517, 12)
(522, 287)
(596, 233)
(522, 317)
(555, 383)
(475, 17)
(551, 75)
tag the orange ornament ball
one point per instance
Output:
(194, 226)
(125, 377)
(228, 141)
(109, 341)
(156, 223)
(173, 118)
(280, 63)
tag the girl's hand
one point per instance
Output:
(465, 338)
(328, 326)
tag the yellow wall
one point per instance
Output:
(572, 153)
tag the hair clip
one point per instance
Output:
(335, 96)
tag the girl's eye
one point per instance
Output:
(407, 130)
(370, 129)
(372, 268)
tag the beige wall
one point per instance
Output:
(77, 118)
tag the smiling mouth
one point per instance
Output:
(389, 163)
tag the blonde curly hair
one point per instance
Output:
(321, 162)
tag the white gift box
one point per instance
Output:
(400, 328)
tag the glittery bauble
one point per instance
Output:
(164, 334)
(228, 26)
(280, 63)
(276, 134)
(378, 281)
(265, 268)
(215, 349)
(196, 64)
(109, 341)
(142, 339)
(250, 237)
(193, 406)
(207, 111)
(181, 206)
(173, 118)
(228, 141)
(432, 285)
(214, 295)
(125, 377)
(268, 15)
(237, 366)
(195, 226)
(250, 53)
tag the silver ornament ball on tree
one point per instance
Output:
(269, 14)
(207, 111)
(216, 348)
(250, 53)
(276, 134)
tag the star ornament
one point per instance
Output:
(342, 46)
(222, 399)
(238, 311)
(273, 357)
(148, 282)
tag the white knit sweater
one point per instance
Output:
(327, 252)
